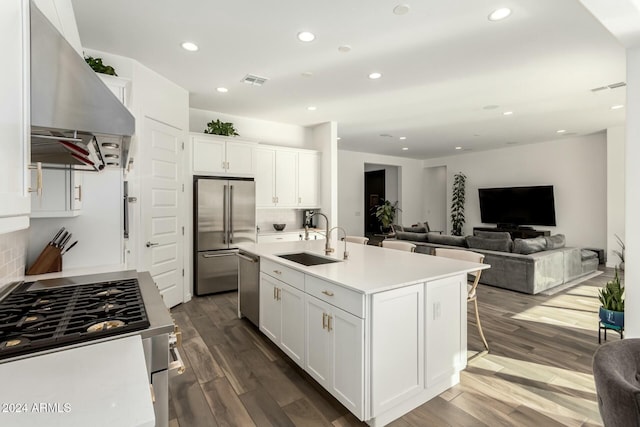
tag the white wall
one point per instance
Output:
(351, 188)
(576, 167)
(391, 183)
(632, 209)
(435, 197)
(615, 192)
(255, 129)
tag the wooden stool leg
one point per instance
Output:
(475, 302)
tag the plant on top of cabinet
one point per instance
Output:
(97, 66)
(221, 128)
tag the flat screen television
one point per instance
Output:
(518, 206)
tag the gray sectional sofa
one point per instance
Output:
(524, 265)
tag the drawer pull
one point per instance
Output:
(324, 320)
(328, 293)
(277, 272)
(329, 327)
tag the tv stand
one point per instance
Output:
(516, 232)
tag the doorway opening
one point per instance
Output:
(381, 182)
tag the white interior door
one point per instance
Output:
(161, 197)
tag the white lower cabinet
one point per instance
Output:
(397, 346)
(446, 311)
(61, 194)
(282, 316)
(335, 344)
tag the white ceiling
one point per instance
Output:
(441, 63)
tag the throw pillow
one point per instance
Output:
(492, 234)
(529, 246)
(556, 241)
(408, 235)
(443, 239)
(490, 244)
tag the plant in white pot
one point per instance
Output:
(611, 297)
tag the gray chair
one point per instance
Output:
(616, 371)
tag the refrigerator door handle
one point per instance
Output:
(224, 215)
(218, 255)
(231, 214)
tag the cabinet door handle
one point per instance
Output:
(279, 295)
(277, 272)
(79, 198)
(38, 189)
(324, 320)
(328, 293)
(274, 292)
(329, 327)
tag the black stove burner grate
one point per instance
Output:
(33, 320)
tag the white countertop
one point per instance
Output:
(369, 269)
(76, 272)
(271, 231)
(103, 384)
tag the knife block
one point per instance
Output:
(49, 261)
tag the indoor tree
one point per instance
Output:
(457, 203)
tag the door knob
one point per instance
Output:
(149, 244)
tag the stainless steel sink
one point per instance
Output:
(308, 259)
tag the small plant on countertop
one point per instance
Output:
(220, 128)
(97, 66)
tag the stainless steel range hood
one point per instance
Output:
(73, 113)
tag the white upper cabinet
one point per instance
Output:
(61, 194)
(287, 178)
(14, 116)
(119, 86)
(217, 155)
(308, 179)
(60, 14)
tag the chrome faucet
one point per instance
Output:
(345, 256)
(327, 248)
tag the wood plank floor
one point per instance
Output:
(538, 372)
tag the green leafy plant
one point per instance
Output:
(386, 212)
(620, 253)
(97, 66)
(220, 128)
(457, 203)
(611, 296)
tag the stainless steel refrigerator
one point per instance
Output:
(224, 215)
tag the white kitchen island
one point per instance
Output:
(383, 332)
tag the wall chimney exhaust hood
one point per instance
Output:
(74, 115)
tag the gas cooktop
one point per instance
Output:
(39, 319)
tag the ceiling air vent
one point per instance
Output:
(254, 80)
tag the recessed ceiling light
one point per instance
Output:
(508, 113)
(222, 89)
(405, 148)
(617, 107)
(338, 138)
(306, 36)
(499, 14)
(374, 76)
(191, 47)
(345, 48)
(458, 148)
(561, 131)
(403, 137)
(401, 9)
(312, 108)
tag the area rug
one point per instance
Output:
(565, 286)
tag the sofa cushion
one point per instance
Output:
(556, 241)
(492, 234)
(408, 235)
(490, 244)
(445, 239)
(415, 229)
(529, 246)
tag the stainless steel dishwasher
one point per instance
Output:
(249, 286)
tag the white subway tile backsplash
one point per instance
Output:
(13, 256)
(265, 218)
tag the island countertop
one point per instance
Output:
(369, 269)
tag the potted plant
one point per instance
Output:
(221, 128)
(386, 214)
(457, 204)
(97, 66)
(611, 297)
